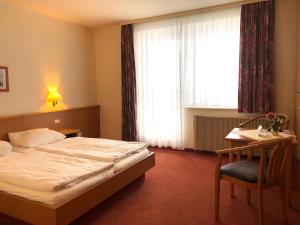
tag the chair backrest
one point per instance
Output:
(279, 151)
(261, 120)
(280, 154)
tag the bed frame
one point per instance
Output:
(87, 120)
(63, 214)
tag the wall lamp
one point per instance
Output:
(53, 96)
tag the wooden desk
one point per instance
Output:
(234, 139)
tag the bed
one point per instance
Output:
(63, 208)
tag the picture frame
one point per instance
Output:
(4, 82)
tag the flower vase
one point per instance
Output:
(273, 132)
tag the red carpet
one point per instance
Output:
(179, 191)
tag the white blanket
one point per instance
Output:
(47, 172)
(94, 148)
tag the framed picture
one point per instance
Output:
(4, 79)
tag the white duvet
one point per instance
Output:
(47, 172)
(94, 148)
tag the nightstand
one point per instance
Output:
(71, 132)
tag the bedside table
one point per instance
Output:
(71, 132)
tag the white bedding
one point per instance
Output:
(43, 171)
(22, 149)
(59, 197)
(94, 148)
(129, 161)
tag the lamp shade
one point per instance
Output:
(54, 97)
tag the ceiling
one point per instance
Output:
(94, 13)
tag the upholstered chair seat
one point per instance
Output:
(246, 170)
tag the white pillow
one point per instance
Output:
(15, 138)
(5, 148)
(35, 137)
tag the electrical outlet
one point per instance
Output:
(57, 121)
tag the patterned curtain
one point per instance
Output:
(256, 69)
(129, 130)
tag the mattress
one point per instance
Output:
(59, 197)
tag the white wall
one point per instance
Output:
(286, 37)
(108, 69)
(41, 51)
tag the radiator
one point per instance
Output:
(210, 131)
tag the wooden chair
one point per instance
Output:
(261, 120)
(259, 173)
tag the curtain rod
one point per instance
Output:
(193, 11)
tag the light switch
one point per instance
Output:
(57, 121)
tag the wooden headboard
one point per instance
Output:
(87, 119)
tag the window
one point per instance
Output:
(156, 49)
(186, 61)
(210, 59)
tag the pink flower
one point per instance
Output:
(270, 116)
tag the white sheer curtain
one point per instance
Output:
(210, 59)
(157, 48)
(190, 61)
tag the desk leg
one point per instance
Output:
(231, 160)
